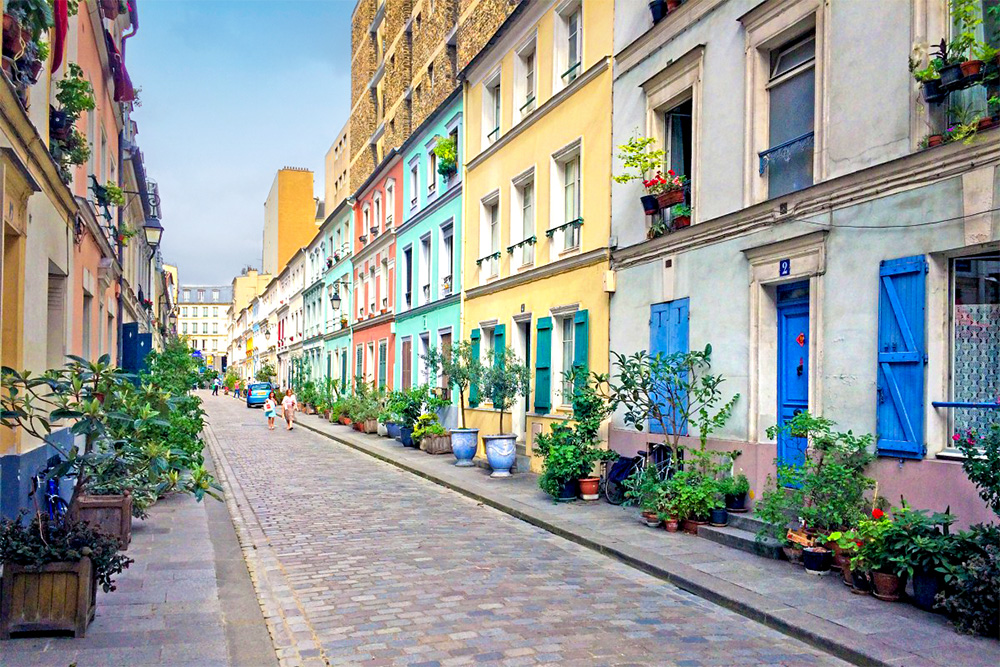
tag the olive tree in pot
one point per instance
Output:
(504, 382)
(463, 369)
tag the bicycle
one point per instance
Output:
(56, 507)
(615, 473)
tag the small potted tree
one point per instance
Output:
(446, 151)
(463, 370)
(504, 382)
(645, 489)
(642, 163)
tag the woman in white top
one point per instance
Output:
(288, 405)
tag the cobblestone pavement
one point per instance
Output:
(358, 562)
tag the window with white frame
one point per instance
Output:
(489, 242)
(975, 339)
(384, 283)
(491, 110)
(791, 93)
(424, 296)
(569, 44)
(408, 277)
(390, 203)
(414, 184)
(432, 165)
(524, 81)
(377, 220)
(522, 230)
(425, 343)
(565, 354)
(566, 206)
(447, 259)
(366, 221)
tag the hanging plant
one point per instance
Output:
(446, 151)
(114, 194)
(125, 233)
(74, 93)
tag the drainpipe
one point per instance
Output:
(119, 348)
(134, 24)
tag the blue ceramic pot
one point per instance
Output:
(501, 452)
(406, 436)
(393, 429)
(464, 442)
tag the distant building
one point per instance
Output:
(289, 217)
(337, 179)
(203, 320)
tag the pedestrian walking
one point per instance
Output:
(270, 408)
(288, 405)
(215, 386)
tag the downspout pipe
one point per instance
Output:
(134, 23)
(133, 14)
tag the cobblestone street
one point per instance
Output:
(358, 562)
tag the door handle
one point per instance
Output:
(799, 370)
(797, 412)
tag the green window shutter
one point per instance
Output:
(581, 346)
(474, 388)
(499, 343)
(543, 365)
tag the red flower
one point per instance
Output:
(877, 513)
(670, 171)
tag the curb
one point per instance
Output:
(779, 617)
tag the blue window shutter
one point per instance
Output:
(543, 365)
(474, 388)
(668, 334)
(581, 347)
(901, 357)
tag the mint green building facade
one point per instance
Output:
(337, 232)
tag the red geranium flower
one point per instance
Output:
(877, 513)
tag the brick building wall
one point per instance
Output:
(478, 20)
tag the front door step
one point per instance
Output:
(744, 540)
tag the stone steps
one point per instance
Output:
(741, 533)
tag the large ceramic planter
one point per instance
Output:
(736, 503)
(501, 452)
(887, 586)
(58, 597)
(817, 560)
(719, 517)
(110, 515)
(393, 429)
(861, 582)
(406, 436)
(382, 430)
(464, 442)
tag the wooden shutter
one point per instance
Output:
(901, 357)
(474, 387)
(668, 334)
(406, 364)
(499, 344)
(543, 365)
(581, 346)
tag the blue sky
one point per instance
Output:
(233, 90)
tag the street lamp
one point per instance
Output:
(335, 293)
(154, 230)
(267, 334)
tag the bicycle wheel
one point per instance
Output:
(58, 509)
(614, 491)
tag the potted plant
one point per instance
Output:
(446, 151)
(681, 216)
(504, 382)
(816, 559)
(918, 547)
(643, 164)
(645, 489)
(735, 490)
(695, 495)
(430, 435)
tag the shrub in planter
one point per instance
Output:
(463, 369)
(972, 585)
(735, 490)
(694, 496)
(430, 436)
(645, 489)
(66, 559)
(571, 450)
(982, 462)
(504, 382)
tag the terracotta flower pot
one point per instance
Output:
(682, 221)
(935, 140)
(651, 519)
(985, 123)
(793, 554)
(691, 525)
(671, 525)
(670, 197)
(590, 488)
(888, 587)
(972, 67)
(861, 582)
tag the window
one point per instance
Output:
(524, 84)
(184, 327)
(383, 284)
(215, 344)
(414, 184)
(408, 278)
(571, 201)
(390, 203)
(184, 311)
(204, 311)
(215, 295)
(187, 295)
(425, 270)
(215, 311)
(447, 260)
(359, 368)
(371, 293)
(215, 327)
(430, 75)
(569, 45)
(406, 363)
(975, 322)
(365, 221)
(489, 261)
(383, 362)
(204, 343)
(432, 164)
(204, 327)
(491, 109)
(566, 358)
(523, 222)
(201, 295)
(791, 87)
(377, 220)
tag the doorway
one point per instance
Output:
(793, 366)
(522, 347)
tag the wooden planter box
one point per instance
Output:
(110, 515)
(436, 444)
(60, 597)
(371, 426)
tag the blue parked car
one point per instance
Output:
(257, 394)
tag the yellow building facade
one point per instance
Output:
(537, 205)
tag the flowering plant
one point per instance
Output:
(660, 183)
(982, 462)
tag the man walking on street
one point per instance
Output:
(215, 386)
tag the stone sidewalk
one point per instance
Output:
(186, 600)
(818, 610)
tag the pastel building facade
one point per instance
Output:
(338, 292)
(834, 265)
(536, 211)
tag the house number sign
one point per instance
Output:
(784, 267)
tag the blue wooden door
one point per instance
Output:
(793, 366)
(901, 357)
(668, 334)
